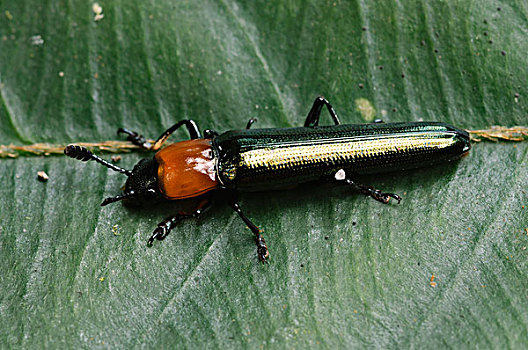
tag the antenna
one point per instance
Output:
(82, 154)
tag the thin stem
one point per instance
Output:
(502, 133)
(46, 149)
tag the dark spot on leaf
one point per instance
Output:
(326, 237)
(491, 41)
(302, 265)
(380, 67)
(360, 86)
(353, 223)
(364, 29)
(422, 42)
(503, 53)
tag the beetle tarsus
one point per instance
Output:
(159, 233)
(165, 227)
(262, 248)
(135, 138)
(378, 195)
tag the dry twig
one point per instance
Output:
(46, 149)
(496, 133)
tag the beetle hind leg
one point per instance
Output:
(378, 195)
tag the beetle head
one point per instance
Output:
(142, 182)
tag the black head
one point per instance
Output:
(142, 182)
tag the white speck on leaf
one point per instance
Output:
(37, 40)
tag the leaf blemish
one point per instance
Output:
(367, 110)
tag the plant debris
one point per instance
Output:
(431, 282)
(42, 176)
(98, 11)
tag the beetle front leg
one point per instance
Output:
(168, 224)
(141, 141)
(378, 195)
(262, 249)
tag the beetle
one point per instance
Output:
(258, 159)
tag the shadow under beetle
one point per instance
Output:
(258, 159)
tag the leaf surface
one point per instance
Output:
(345, 271)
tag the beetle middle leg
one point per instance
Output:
(251, 122)
(168, 224)
(378, 195)
(262, 249)
(313, 116)
(141, 141)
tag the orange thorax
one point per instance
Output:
(186, 169)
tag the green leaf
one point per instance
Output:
(345, 271)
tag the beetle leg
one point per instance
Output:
(141, 141)
(209, 134)
(191, 127)
(135, 138)
(168, 224)
(251, 122)
(313, 116)
(262, 249)
(366, 190)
